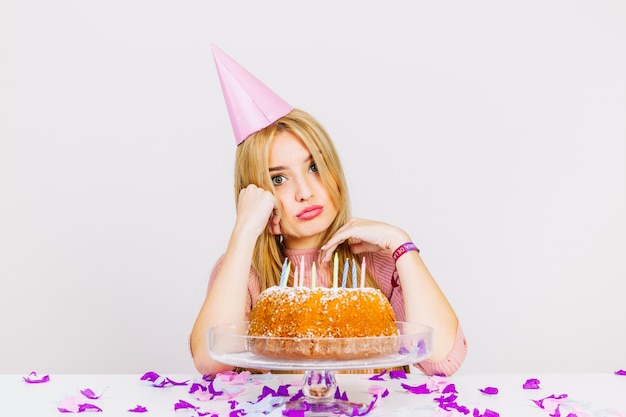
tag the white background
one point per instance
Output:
(494, 132)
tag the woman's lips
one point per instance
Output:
(310, 212)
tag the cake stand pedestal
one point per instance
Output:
(230, 344)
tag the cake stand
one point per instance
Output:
(230, 344)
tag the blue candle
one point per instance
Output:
(345, 274)
(283, 274)
(353, 273)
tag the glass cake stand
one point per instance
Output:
(319, 358)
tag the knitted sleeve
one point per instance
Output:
(386, 276)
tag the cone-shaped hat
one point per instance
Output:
(251, 105)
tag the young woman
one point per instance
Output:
(292, 201)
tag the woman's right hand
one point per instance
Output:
(257, 209)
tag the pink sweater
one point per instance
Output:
(382, 268)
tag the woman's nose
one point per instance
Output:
(304, 190)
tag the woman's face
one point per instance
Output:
(307, 207)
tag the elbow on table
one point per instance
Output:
(205, 365)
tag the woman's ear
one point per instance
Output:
(273, 225)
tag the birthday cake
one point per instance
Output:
(329, 323)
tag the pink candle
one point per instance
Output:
(363, 273)
(296, 281)
(302, 271)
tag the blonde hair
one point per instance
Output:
(252, 167)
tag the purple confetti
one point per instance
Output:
(138, 409)
(32, 378)
(180, 405)
(88, 392)
(532, 383)
(489, 390)
(450, 388)
(420, 389)
(150, 376)
(540, 402)
(378, 377)
(620, 372)
(397, 374)
(487, 413)
(80, 408)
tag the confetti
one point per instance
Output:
(138, 409)
(420, 389)
(32, 378)
(550, 402)
(487, 413)
(159, 381)
(72, 405)
(532, 383)
(88, 393)
(181, 405)
(620, 372)
(397, 374)
(437, 383)
(489, 390)
(378, 377)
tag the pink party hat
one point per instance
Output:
(251, 105)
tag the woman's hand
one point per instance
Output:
(257, 209)
(365, 236)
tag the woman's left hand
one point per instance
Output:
(365, 236)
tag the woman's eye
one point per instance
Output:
(278, 179)
(313, 167)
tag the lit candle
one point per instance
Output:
(283, 274)
(313, 275)
(345, 274)
(353, 273)
(335, 270)
(363, 273)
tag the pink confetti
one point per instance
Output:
(233, 377)
(378, 390)
(437, 383)
(138, 409)
(71, 405)
(620, 372)
(32, 378)
(532, 383)
(489, 390)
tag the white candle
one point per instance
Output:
(335, 270)
(313, 277)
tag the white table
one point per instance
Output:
(593, 394)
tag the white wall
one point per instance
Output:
(495, 133)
